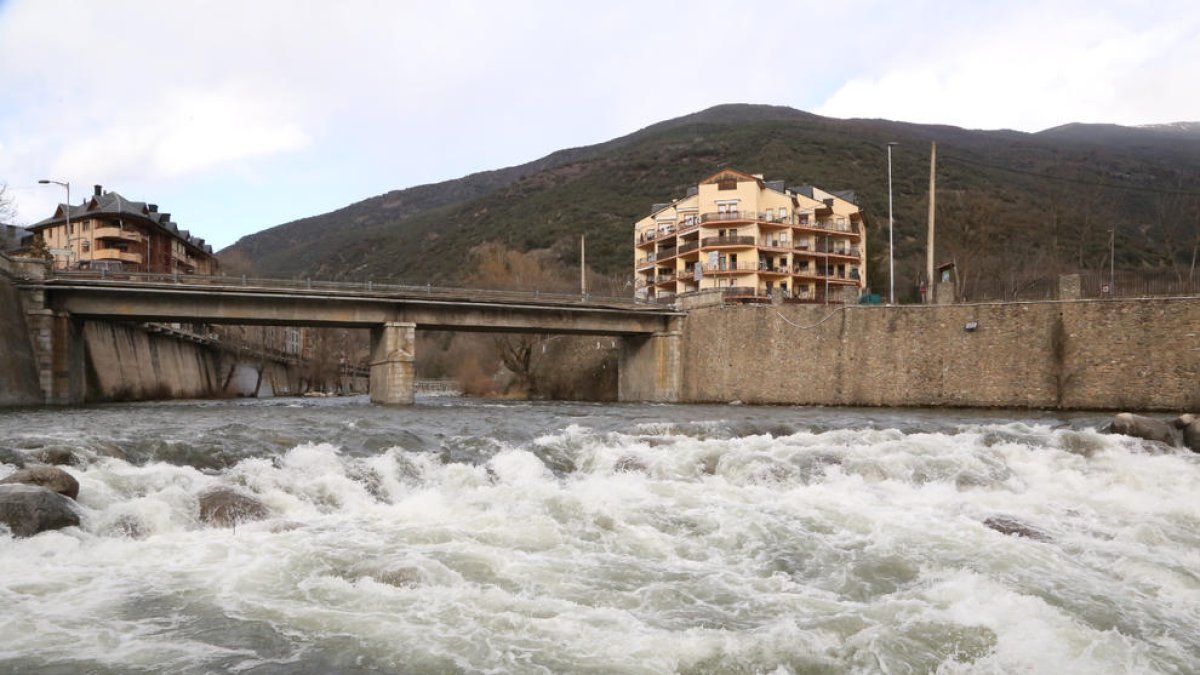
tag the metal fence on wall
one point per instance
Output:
(1042, 285)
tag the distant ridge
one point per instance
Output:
(989, 182)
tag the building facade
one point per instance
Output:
(756, 240)
(110, 232)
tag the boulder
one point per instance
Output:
(1191, 435)
(30, 509)
(58, 456)
(1148, 428)
(1015, 528)
(50, 477)
(224, 507)
(14, 457)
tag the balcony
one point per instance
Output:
(722, 216)
(116, 254)
(647, 261)
(689, 247)
(117, 233)
(739, 292)
(781, 245)
(666, 277)
(732, 267)
(834, 249)
(772, 269)
(665, 253)
(709, 242)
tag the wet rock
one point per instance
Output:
(57, 456)
(224, 507)
(1191, 433)
(128, 526)
(12, 457)
(1148, 428)
(402, 577)
(1015, 528)
(30, 509)
(630, 464)
(49, 477)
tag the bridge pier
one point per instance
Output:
(393, 346)
(64, 364)
(649, 367)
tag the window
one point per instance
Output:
(783, 213)
(87, 246)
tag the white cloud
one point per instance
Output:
(1036, 68)
(185, 131)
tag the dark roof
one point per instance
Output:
(13, 237)
(113, 205)
(846, 195)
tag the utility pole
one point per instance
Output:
(583, 264)
(1112, 261)
(891, 239)
(929, 285)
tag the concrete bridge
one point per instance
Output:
(649, 366)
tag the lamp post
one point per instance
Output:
(891, 239)
(67, 231)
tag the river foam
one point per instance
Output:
(630, 539)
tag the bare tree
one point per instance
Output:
(1176, 236)
(495, 266)
(8, 209)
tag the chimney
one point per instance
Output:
(99, 191)
(153, 208)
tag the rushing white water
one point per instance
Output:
(463, 537)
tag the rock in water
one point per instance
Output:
(13, 457)
(50, 477)
(1191, 435)
(30, 509)
(1015, 528)
(1148, 428)
(58, 456)
(224, 507)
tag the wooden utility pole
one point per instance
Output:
(929, 282)
(583, 264)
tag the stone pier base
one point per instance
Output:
(649, 368)
(392, 351)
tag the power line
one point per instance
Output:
(1079, 181)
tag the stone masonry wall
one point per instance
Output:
(1137, 354)
(19, 384)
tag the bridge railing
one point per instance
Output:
(366, 288)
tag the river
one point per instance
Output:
(468, 536)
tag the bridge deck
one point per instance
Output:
(188, 298)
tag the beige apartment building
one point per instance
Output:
(111, 233)
(754, 239)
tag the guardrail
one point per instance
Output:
(362, 288)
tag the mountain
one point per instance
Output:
(1003, 196)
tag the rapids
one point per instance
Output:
(466, 536)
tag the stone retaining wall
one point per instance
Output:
(1114, 354)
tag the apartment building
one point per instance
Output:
(112, 233)
(755, 239)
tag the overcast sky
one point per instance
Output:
(237, 116)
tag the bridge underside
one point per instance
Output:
(649, 359)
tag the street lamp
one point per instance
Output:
(67, 185)
(891, 240)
